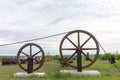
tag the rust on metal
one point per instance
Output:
(78, 45)
(30, 54)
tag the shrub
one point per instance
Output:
(117, 56)
(105, 56)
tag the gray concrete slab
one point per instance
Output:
(84, 72)
(25, 74)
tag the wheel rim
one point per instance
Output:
(79, 44)
(28, 52)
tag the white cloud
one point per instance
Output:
(30, 19)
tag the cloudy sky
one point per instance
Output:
(28, 19)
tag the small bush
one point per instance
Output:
(108, 55)
(105, 56)
(117, 56)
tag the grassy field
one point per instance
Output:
(52, 70)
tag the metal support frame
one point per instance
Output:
(30, 65)
(79, 61)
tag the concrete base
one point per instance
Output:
(84, 72)
(24, 74)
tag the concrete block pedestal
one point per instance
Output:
(25, 74)
(84, 72)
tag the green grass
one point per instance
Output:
(52, 72)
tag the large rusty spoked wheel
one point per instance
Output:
(79, 40)
(30, 51)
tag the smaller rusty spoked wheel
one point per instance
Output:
(79, 40)
(30, 51)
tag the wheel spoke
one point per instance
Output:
(86, 56)
(85, 42)
(36, 53)
(69, 49)
(25, 54)
(30, 50)
(23, 61)
(72, 55)
(72, 42)
(89, 48)
(35, 59)
(78, 39)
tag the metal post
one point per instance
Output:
(79, 61)
(30, 65)
(87, 58)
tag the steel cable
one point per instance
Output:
(110, 58)
(33, 39)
